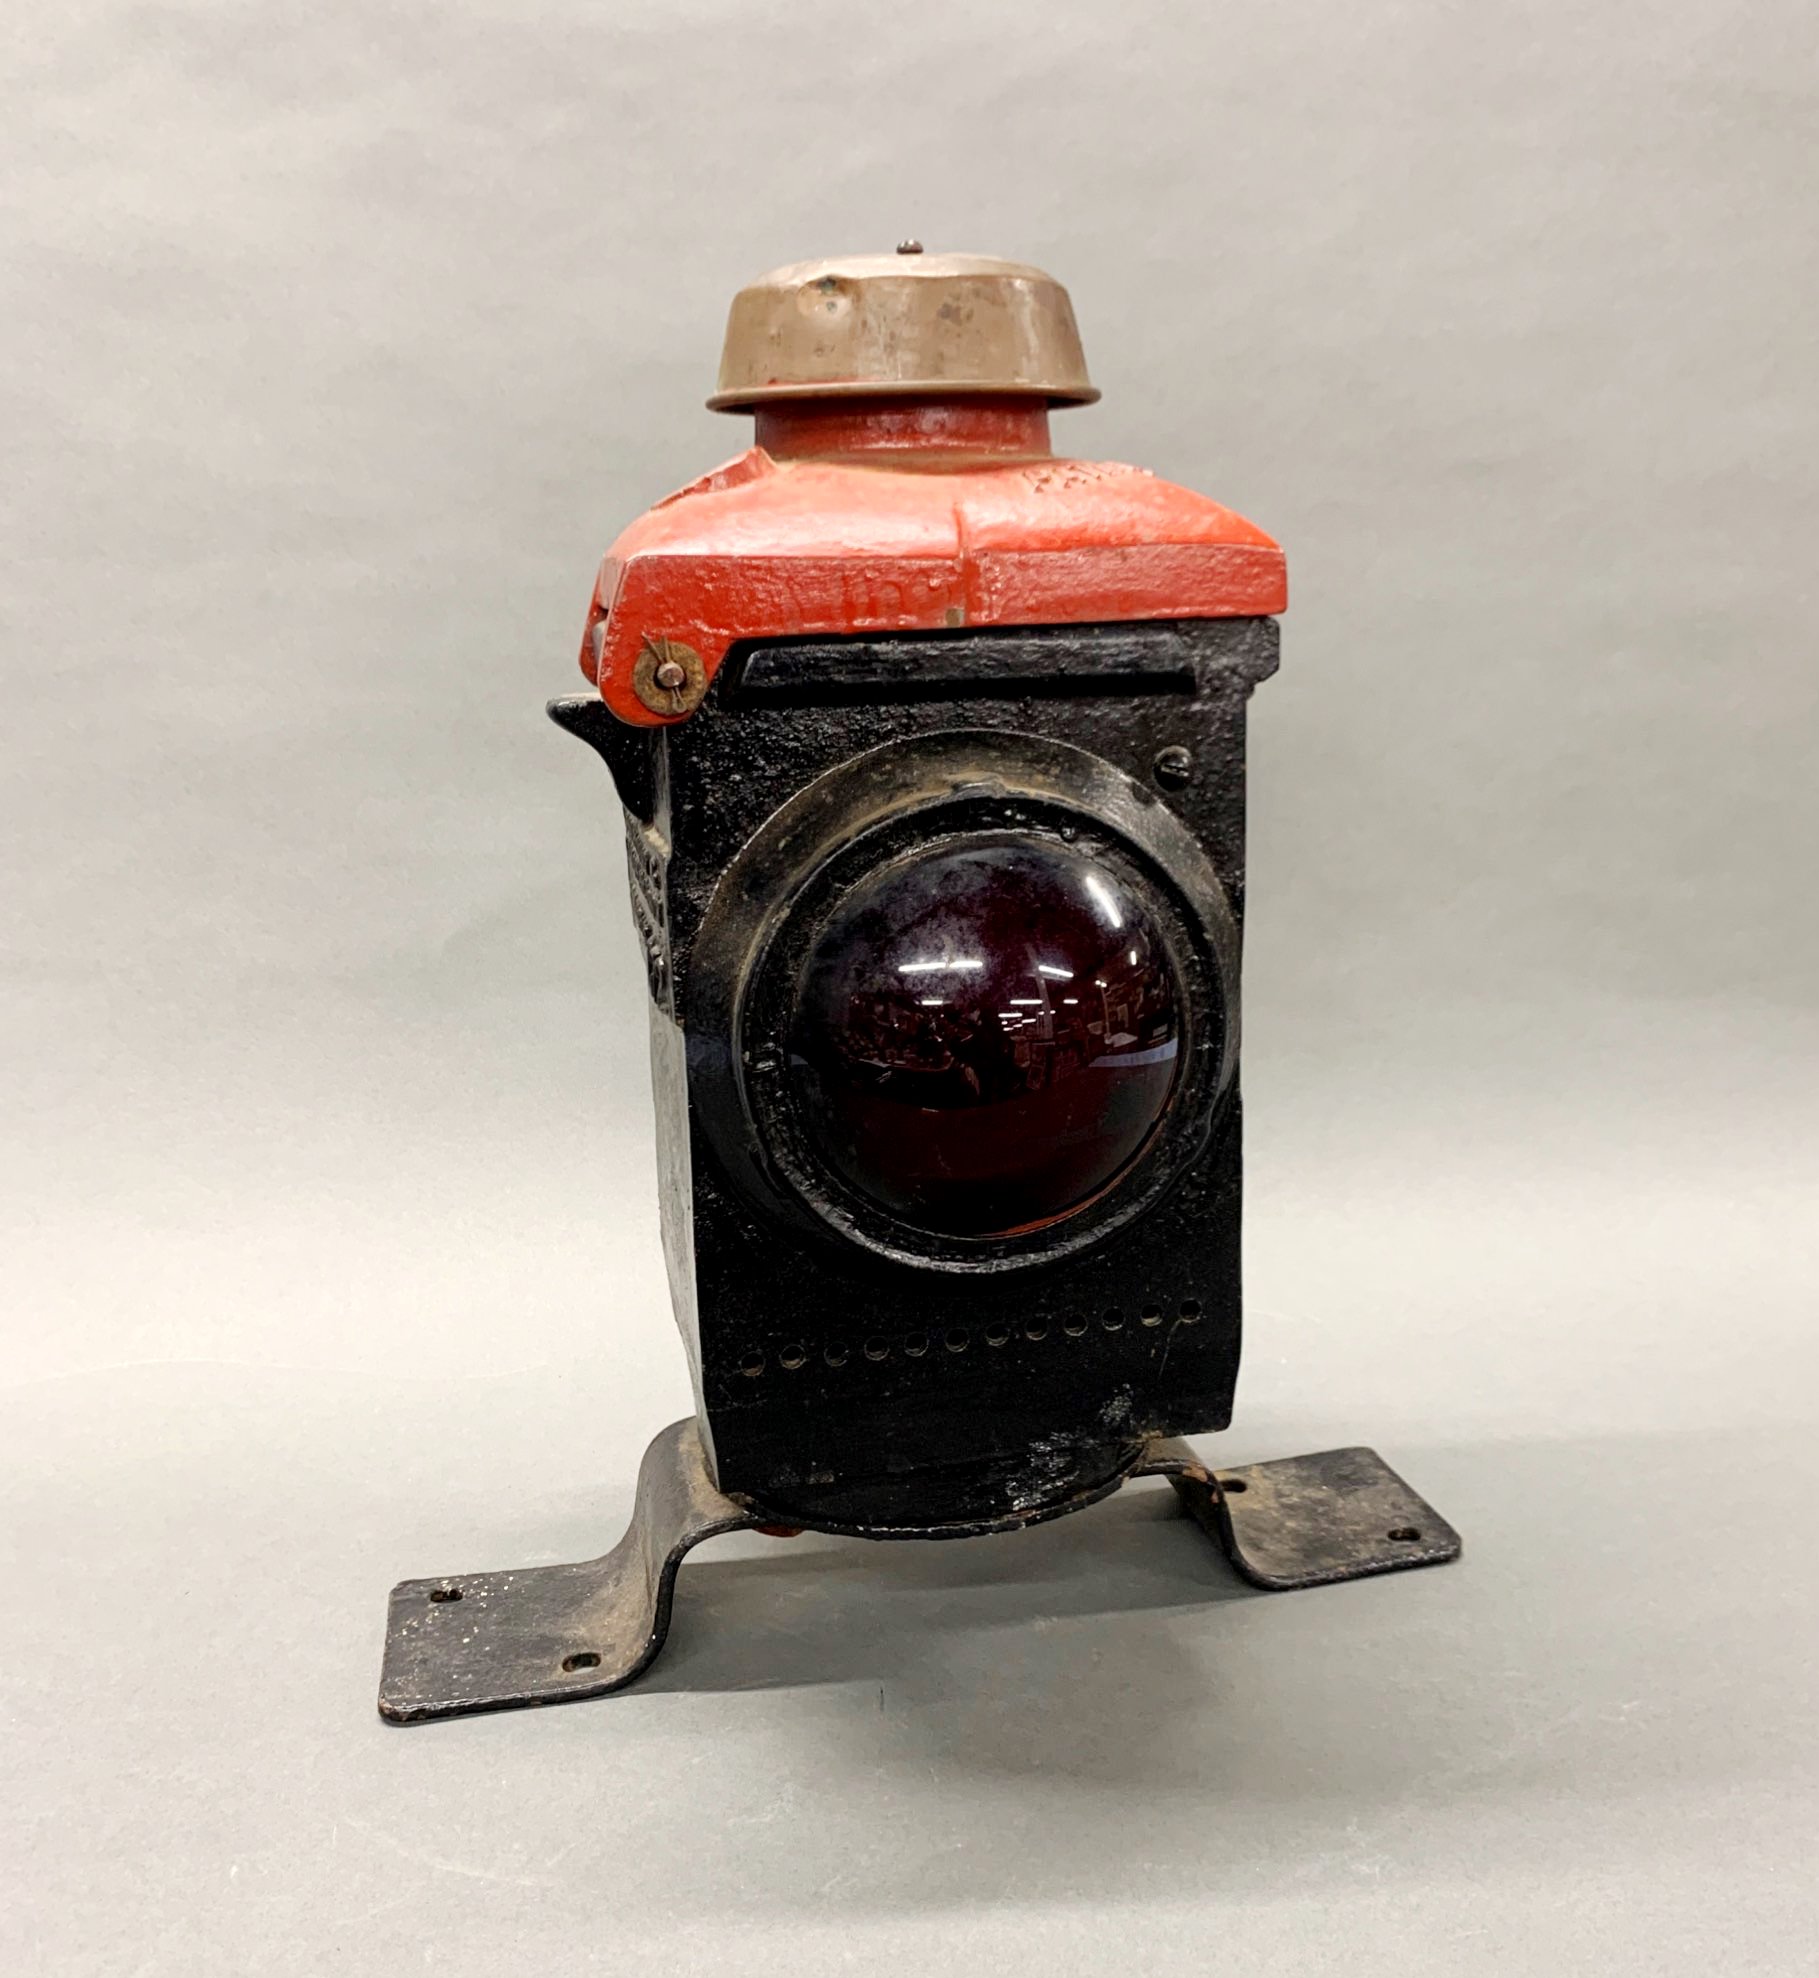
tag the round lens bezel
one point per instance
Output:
(927, 796)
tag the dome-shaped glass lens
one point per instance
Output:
(986, 1036)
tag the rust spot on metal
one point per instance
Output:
(668, 676)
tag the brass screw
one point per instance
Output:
(668, 676)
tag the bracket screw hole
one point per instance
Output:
(586, 1659)
(1405, 1535)
(442, 1595)
(1233, 1486)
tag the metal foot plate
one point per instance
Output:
(554, 1634)
(1307, 1521)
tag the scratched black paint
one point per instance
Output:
(840, 1385)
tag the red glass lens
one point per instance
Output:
(985, 1037)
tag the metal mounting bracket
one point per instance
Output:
(1307, 1521)
(556, 1634)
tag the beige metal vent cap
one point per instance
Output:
(869, 325)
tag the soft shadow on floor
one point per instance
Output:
(1104, 1699)
(824, 1610)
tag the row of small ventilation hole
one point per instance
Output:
(957, 1339)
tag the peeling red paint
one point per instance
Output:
(901, 541)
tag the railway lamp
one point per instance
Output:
(930, 745)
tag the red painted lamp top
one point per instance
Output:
(917, 509)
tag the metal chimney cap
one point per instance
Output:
(877, 325)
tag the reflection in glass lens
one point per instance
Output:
(985, 1037)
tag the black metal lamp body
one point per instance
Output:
(879, 1340)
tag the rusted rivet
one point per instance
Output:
(668, 676)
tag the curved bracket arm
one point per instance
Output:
(1307, 1521)
(555, 1634)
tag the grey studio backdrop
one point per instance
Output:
(339, 342)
